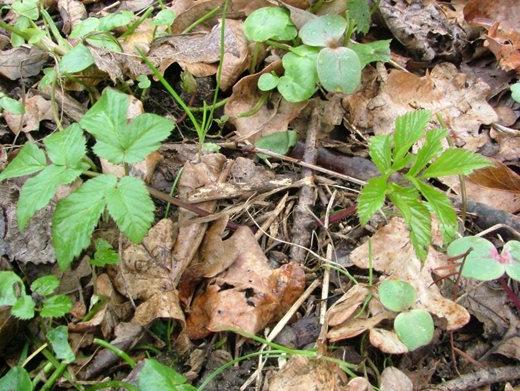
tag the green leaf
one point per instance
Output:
(278, 142)
(515, 92)
(84, 27)
(11, 105)
(45, 285)
(269, 23)
(371, 198)
(339, 70)
(359, 11)
(299, 80)
(409, 128)
(131, 207)
(59, 339)
(323, 30)
(416, 216)
(431, 148)
(30, 159)
(396, 295)
(144, 82)
(115, 20)
(268, 82)
(104, 41)
(442, 207)
(76, 59)
(414, 328)
(48, 79)
(11, 288)
(56, 306)
(22, 23)
(107, 116)
(481, 263)
(39, 190)
(16, 379)
(77, 215)
(23, 308)
(455, 161)
(104, 255)
(372, 52)
(156, 376)
(380, 151)
(68, 147)
(511, 252)
(164, 17)
(27, 8)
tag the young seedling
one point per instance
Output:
(414, 327)
(483, 262)
(391, 154)
(326, 58)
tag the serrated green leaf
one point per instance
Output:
(372, 51)
(30, 159)
(84, 27)
(442, 207)
(39, 190)
(11, 105)
(115, 20)
(455, 161)
(77, 215)
(164, 17)
(414, 328)
(515, 92)
(380, 151)
(56, 306)
(68, 147)
(359, 11)
(11, 288)
(278, 142)
(45, 285)
(23, 308)
(104, 41)
(269, 23)
(59, 339)
(323, 30)
(409, 128)
(268, 82)
(76, 59)
(339, 70)
(371, 198)
(131, 207)
(156, 376)
(416, 216)
(104, 255)
(396, 295)
(16, 379)
(431, 148)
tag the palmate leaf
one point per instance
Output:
(456, 161)
(131, 207)
(428, 151)
(372, 198)
(409, 129)
(30, 159)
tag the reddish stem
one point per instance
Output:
(509, 292)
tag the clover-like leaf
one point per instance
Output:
(325, 30)
(414, 328)
(511, 255)
(269, 23)
(58, 337)
(482, 261)
(339, 70)
(268, 82)
(396, 295)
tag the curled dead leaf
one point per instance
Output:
(21, 62)
(37, 109)
(72, 12)
(347, 304)
(161, 305)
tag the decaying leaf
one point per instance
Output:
(205, 48)
(498, 176)
(393, 379)
(347, 304)
(510, 348)
(302, 373)
(245, 293)
(72, 12)
(37, 109)
(460, 100)
(21, 62)
(271, 118)
(387, 341)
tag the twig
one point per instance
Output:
(480, 378)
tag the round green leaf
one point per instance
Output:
(269, 23)
(323, 31)
(16, 379)
(515, 91)
(45, 285)
(268, 82)
(511, 252)
(414, 328)
(339, 70)
(396, 295)
(299, 80)
(482, 262)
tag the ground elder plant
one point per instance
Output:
(64, 160)
(412, 195)
(322, 56)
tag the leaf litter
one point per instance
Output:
(210, 282)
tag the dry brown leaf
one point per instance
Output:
(205, 48)
(488, 12)
(140, 39)
(387, 341)
(245, 293)
(72, 12)
(505, 46)
(355, 326)
(161, 305)
(109, 62)
(302, 373)
(359, 384)
(510, 348)
(394, 256)
(460, 100)
(37, 109)
(392, 379)
(21, 62)
(270, 118)
(498, 176)
(347, 304)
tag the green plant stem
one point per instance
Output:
(257, 106)
(137, 23)
(34, 354)
(45, 44)
(54, 377)
(113, 384)
(216, 106)
(172, 191)
(279, 45)
(118, 352)
(202, 19)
